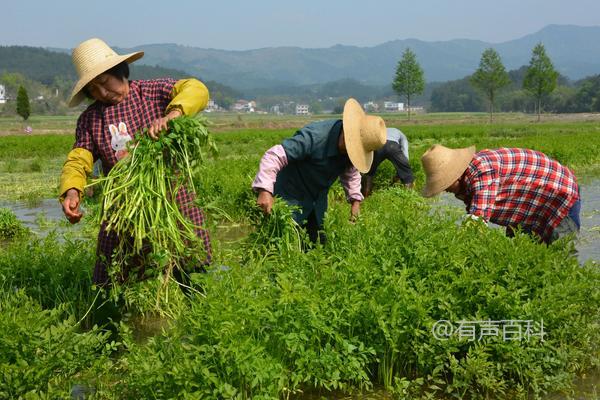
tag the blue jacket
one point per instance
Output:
(314, 163)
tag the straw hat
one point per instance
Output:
(363, 134)
(443, 166)
(92, 58)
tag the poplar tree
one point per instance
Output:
(541, 77)
(23, 108)
(490, 77)
(409, 79)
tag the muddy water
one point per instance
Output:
(588, 244)
(40, 218)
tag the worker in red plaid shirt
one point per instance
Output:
(512, 187)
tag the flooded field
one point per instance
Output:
(47, 215)
(588, 241)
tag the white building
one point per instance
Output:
(301, 109)
(2, 94)
(371, 106)
(211, 106)
(244, 106)
(393, 107)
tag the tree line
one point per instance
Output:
(534, 88)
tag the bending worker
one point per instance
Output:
(395, 150)
(302, 168)
(511, 187)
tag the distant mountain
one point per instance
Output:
(574, 50)
(44, 66)
(55, 67)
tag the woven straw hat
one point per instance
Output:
(443, 166)
(92, 58)
(363, 134)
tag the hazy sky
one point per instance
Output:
(249, 24)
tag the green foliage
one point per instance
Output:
(351, 315)
(490, 77)
(37, 63)
(360, 310)
(41, 352)
(53, 274)
(23, 107)
(587, 98)
(276, 233)
(456, 96)
(10, 226)
(409, 78)
(541, 76)
(18, 147)
(139, 199)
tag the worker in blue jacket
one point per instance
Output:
(302, 168)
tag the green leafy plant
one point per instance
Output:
(10, 226)
(139, 199)
(42, 355)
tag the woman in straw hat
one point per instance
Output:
(120, 108)
(302, 168)
(511, 187)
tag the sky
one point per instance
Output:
(251, 24)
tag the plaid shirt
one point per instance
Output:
(519, 187)
(146, 102)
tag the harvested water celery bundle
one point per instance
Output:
(139, 201)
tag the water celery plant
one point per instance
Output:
(139, 199)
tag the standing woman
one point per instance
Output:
(119, 109)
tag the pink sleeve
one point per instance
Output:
(271, 163)
(350, 180)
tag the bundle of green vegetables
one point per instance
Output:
(139, 200)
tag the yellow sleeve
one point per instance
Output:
(75, 170)
(190, 96)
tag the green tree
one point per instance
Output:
(541, 77)
(23, 108)
(490, 77)
(315, 107)
(409, 78)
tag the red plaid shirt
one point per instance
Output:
(146, 102)
(519, 187)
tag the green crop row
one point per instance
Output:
(355, 314)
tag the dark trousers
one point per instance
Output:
(314, 230)
(393, 151)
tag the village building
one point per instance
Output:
(302, 109)
(393, 106)
(244, 106)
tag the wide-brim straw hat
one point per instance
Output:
(363, 134)
(443, 166)
(92, 58)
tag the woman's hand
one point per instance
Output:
(354, 210)
(160, 124)
(265, 201)
(71, 206)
